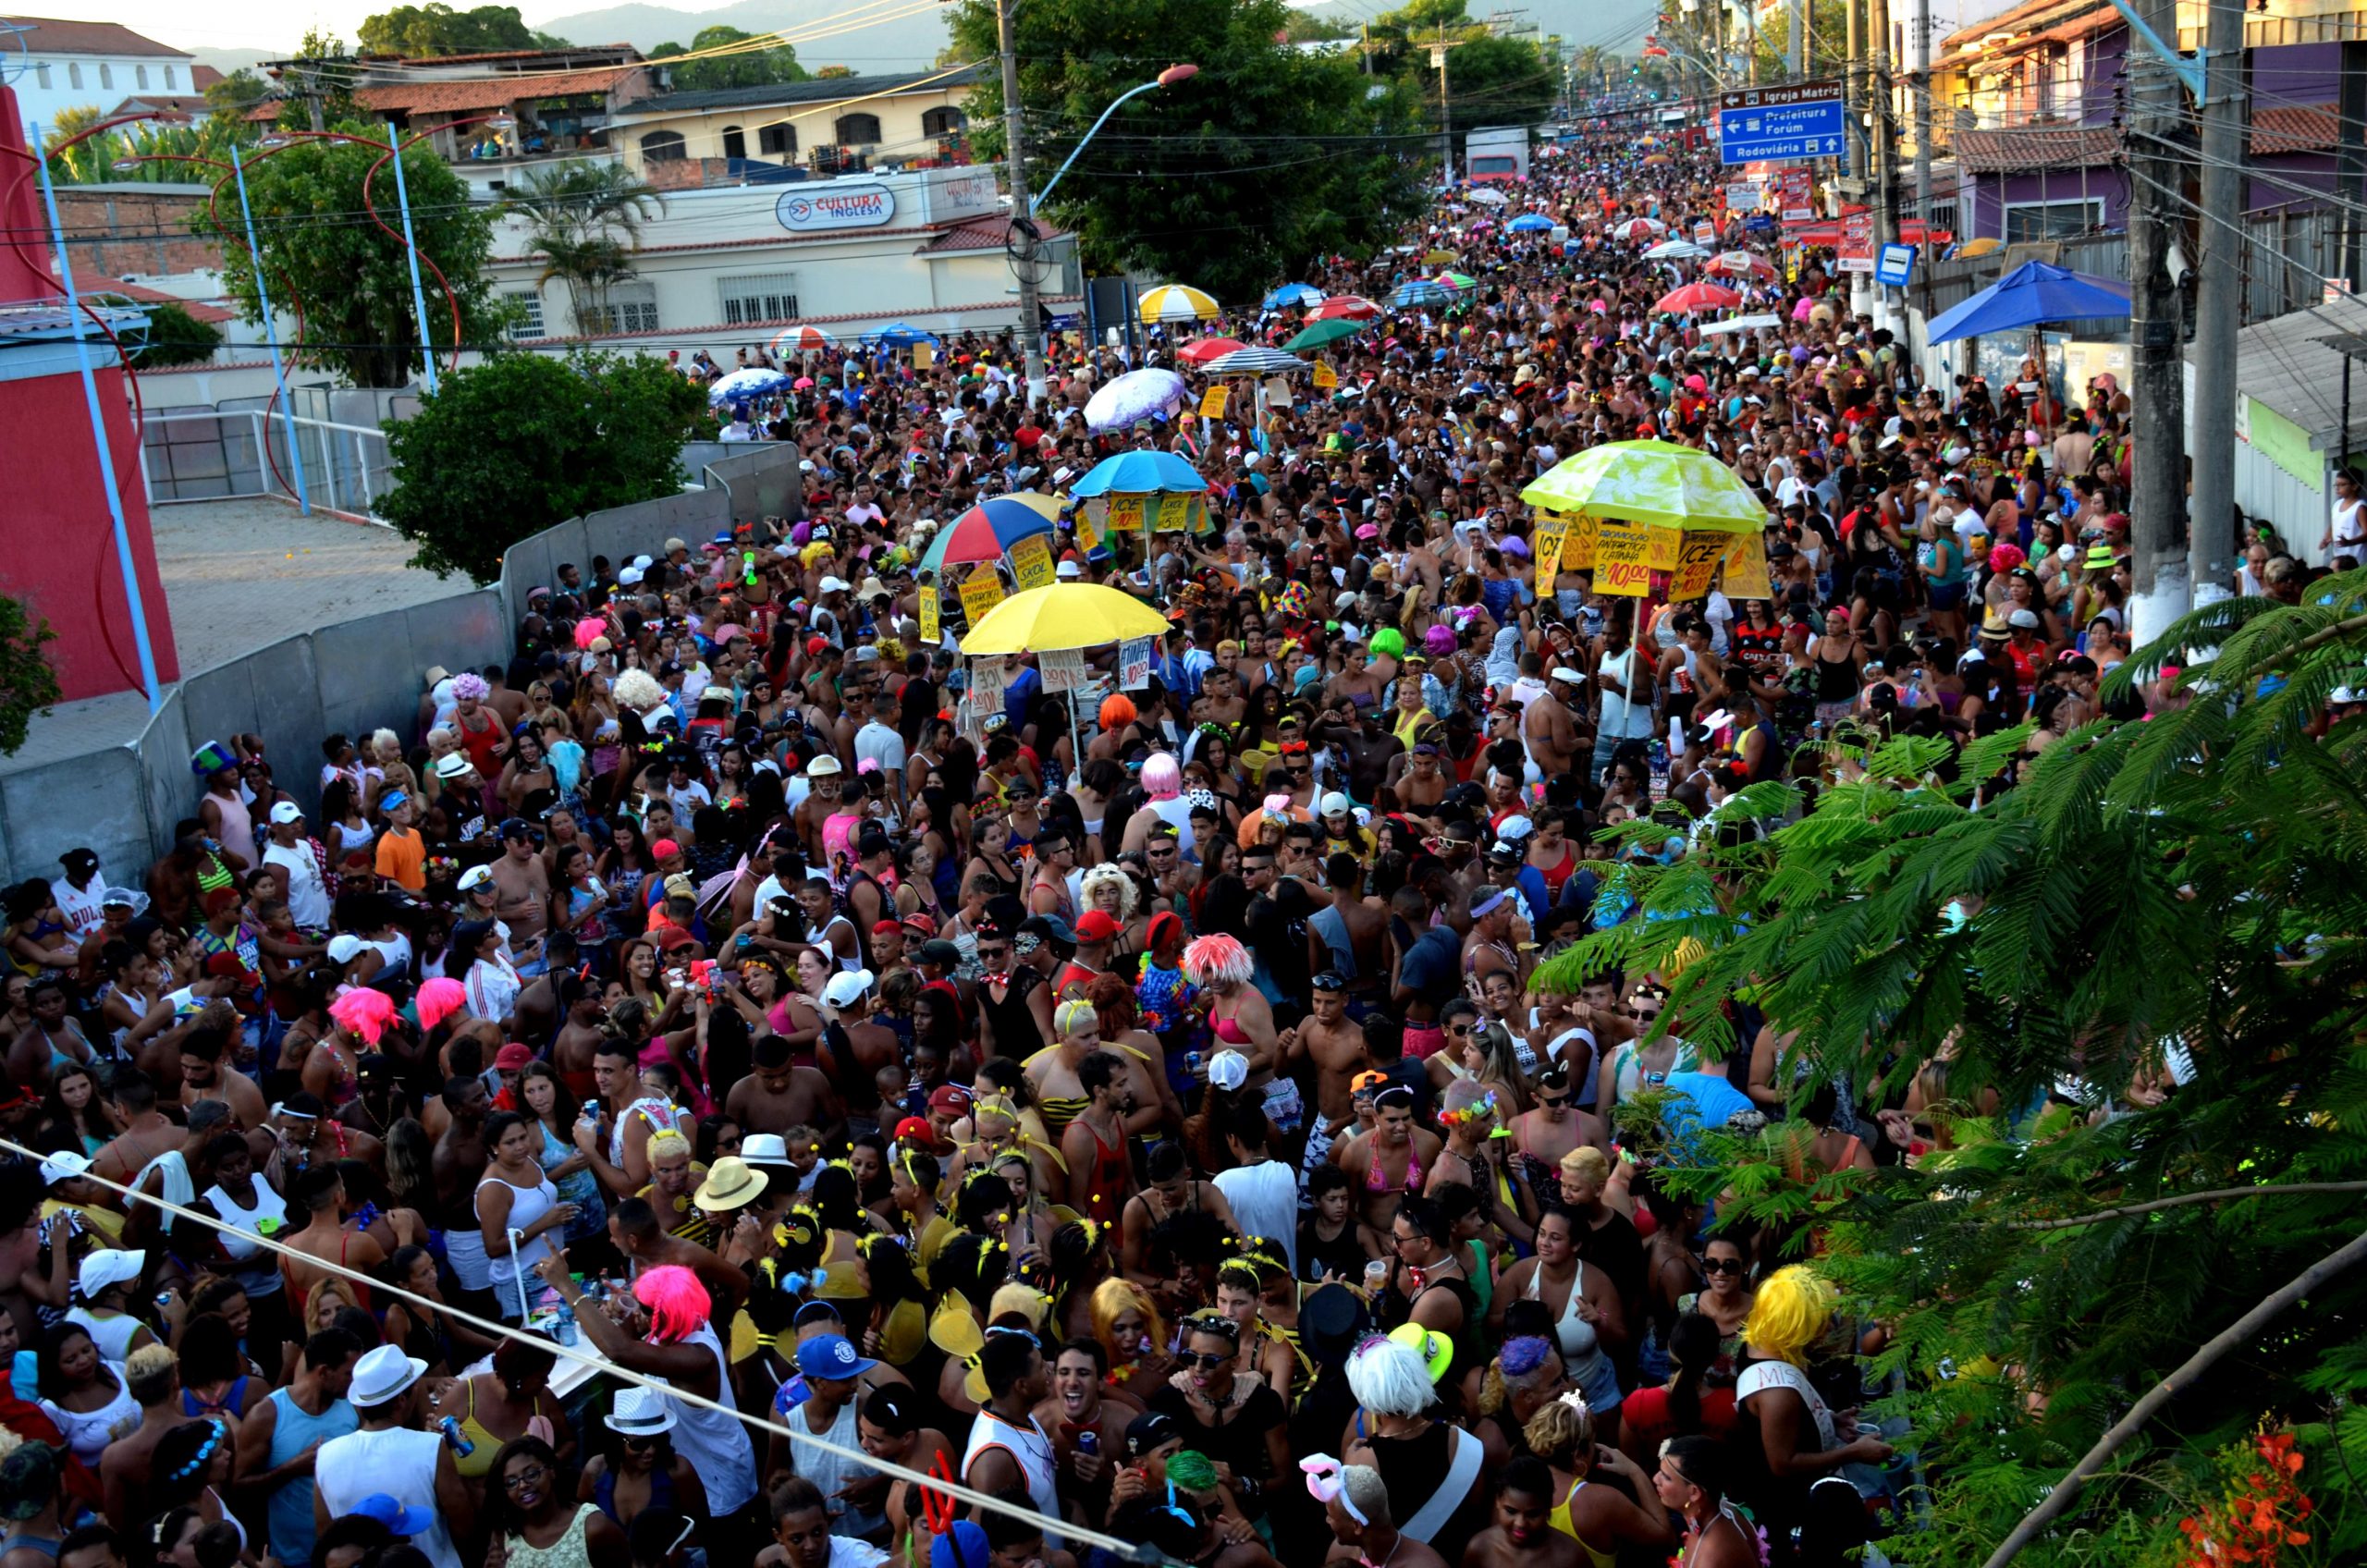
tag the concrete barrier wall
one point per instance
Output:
(764, 480)
(122, 801)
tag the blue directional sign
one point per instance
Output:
(1802, 119)
(1895, 265)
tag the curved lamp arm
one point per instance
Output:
(1167, 78)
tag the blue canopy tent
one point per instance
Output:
(902, 334)
(2031, 294)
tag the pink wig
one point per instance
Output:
(439, 1000)
(679, 1306)
(469, 684)
(1163, 777)
(588, 631)
(364, 1013)
(1218, 959)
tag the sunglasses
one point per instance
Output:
(1722, 1266)
(1205, 1361)
(1552, 1102)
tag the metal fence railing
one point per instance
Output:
(208, 455)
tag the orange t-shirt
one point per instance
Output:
(402, 858)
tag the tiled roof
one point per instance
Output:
(979, 234)
(490, 92)
(571, 52)
(2030, 148)
(826, 89)
(2294, 129)
(192, 105)
(212, 315)
(742, 329)
(52, 36)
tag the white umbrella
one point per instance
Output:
(1674, 250)
(1133, 397)
(750, 383)
(1489, 195)
(1740, 324)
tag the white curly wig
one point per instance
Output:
(1103, 876)
(1388, 1379)
(638, 690)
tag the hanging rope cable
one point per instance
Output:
(1130, 1550)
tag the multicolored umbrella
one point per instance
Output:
(1129, 400)
(1255, 361)
(1740, 263)
(1347, 307)
(1638, 228)
(1321, 333)
(1457, 282)
(1200, 350)
(1695, 298)
(989, 528)
(1420, 292)
(1291, 296)
(800, 340)
(1177, 301)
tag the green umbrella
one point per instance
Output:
(1658, 483)
(1324, 332)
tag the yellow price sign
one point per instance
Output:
(923, 356)
(1578, 544)
(1622, 558)
(980, 592)
(1326, 378)
(932, 631)
(1212, 402)
(1698, 554)
(1088, 537)
(1031, 563)
(1545, 542)
(1125, 514)
(1746, 564)
(1659, 548)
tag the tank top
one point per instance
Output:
(714, 1440)
(660, 1113)
(1112, 1172)
(1030, 1449)
(526, 1205)
(1560, 1520)
(256, 1280)
(396, 1461)
(87, 1432)
(1581, 1345)
(113, 1333)
(289, 1515)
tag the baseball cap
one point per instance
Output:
(831, 1355)
(109, 1266)
(399, 1518)
(663, 848)
(1095, 925)
(1338, 805)
(846, 989)
(62, 1167)
(287, 811)
(951, 1097)
(513, 1058)
(1228, 1070)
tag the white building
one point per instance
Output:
(62, 65)
(727, 267)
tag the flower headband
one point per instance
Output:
(1483, 1106)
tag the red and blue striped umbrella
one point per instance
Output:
(988, 528)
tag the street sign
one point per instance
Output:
(1803, 121)
(1895, 265)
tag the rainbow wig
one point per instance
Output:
(1163, 777)
(679, 1306)
(1790, 1314)
(1071, 1013)
(1217, 960)
(438, 1000)
(363, 1012)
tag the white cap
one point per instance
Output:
(62, 1167)
(1337, 804)
(287, 811)
(644, 562)
(2022, 618)
(1228, 1070)
(475, 877)
(629, 578)
(846, 989)
(834, 585)
(343, 948)
(1564, 672)
(109, 1266)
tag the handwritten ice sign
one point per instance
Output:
(1622, 558)
(1063, 668)
(1698, 556)
(1545, 542)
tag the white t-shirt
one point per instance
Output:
(1265, 1199)
(881, 743)
(308, 893)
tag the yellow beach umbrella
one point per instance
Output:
(1177, 301)
(1067, 615)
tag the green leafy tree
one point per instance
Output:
(1306, 26)
(1490, 80)
(350, 281)
(174, 336)
(79, 165)
(834, 73)
(2125, 999)
(1225, 181)
(582, 219)
(748, 68)
(508, 447)
(28, 685)
(414, 31)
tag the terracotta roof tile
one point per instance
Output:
(53, 36)
(2024, 149)
(490, 92)
(2294, 129)
(979, 234)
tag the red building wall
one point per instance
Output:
(62, 556)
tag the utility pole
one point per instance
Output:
(1031, 309)
(2157, 501)
(1922, 88)
(1439, 46)
(2211, 552)
(1886, 144)
(1853, 102)
(1797, 60)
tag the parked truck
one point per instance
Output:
(1496, 155)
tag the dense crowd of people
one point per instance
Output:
(1148, 1122)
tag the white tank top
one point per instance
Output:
(526, 1205)
(660, 1113)
(1031, 1447)
(258, 1279)
(399, 1461)
(716, 1444)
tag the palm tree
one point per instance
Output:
(1588, 68)
(584, 219)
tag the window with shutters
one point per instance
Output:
(767, 297)
(779, 140)
(630, 307)
(527, 324)
(943, 121)
(857, 131)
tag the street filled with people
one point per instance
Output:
(705, 1087)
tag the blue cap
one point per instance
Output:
(831, 1355)
(398, 1519)
(965, 1546)
(392, 798)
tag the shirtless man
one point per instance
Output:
(457, 1164)
(1334, 1043)
(1350, 937)
(1368, 1533)
(523, 892)
(303, 1135)
(778, 1094)
(641, 1236)
(154, 1377)
(147, 1132)
(1548, 726)
(205, 1078)
(1541, 1136)
(319, 1195)
(850, 1056)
